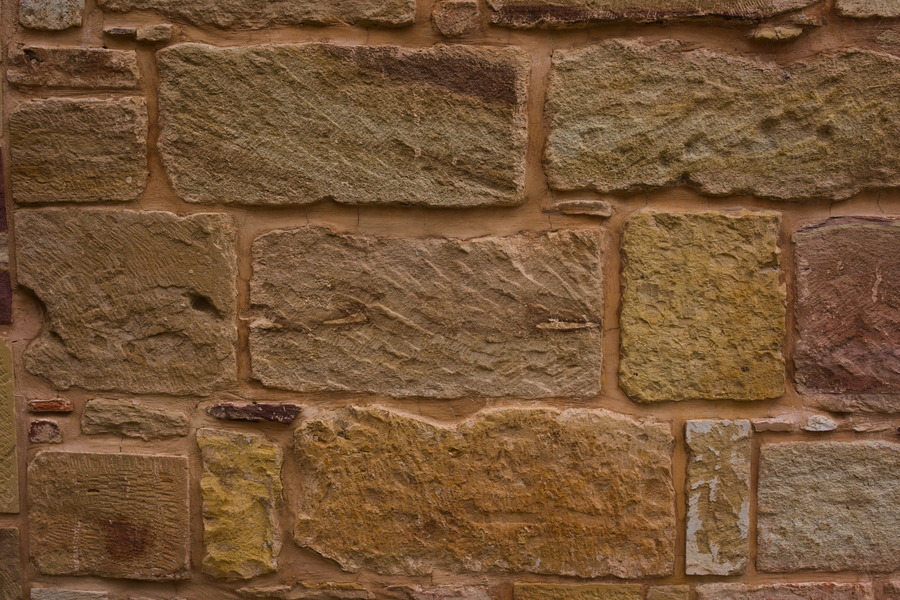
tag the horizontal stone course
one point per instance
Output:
(81, 68)
(785, 591)
(552, 591)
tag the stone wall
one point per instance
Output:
(450, 300)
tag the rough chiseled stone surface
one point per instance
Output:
(109, 515)
(455, 18)
(718, 497)
(829, 506)
(58, 594)
(848, 313)
(50, 15)
(785, 591)
(300, 591)
(505, 316)
(577, 492)
(866, 9)
(274, 412)
(241, 489)
(443, 592)
(553, 591)
(629, 115)
(251, 14)
(141, 302)
(132, 418)
(669, 592)
(10, 565)
(295, 124)
(702, 307)
(9, 464)
(88, 68)
(78, 150)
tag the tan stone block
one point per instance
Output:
(785, 591)
(241, 488)
(86, 68)
(456, 18)
(628, 116)
(9, 463)
(669, 592)
(50, 15)
(296, 124)
(868, 9)
(10, 564)
(718, 497)
(44, 431)
(132, 418)
(829, 506)
(552, 591)
(59, 594)
(301, 591)
(141, 302)
(579, 492)
(444, 592)
(109, 515)
(78, 150)
(496, 316)
(703, 310)
(154, 33)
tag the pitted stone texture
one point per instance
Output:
(10, 565)
(50, 15)
(669, 592)
(892, 590)
(848, 313)
(829, 506)
(252, 14)
(9, 463)
(785, 591)
(109, 515)
(867, 9)
(718, 497)
(57, 594)
(512, 316)
(132, 418)
(85, 68)
(44, 431)
(295, 124)
(300, 591)
(629, 116)
(78, 150)
(579, 492)
(702, 307)
(444, 592)
(141, 302)
(241, 488)
(553, 591)
(455, 18)
(543, 13)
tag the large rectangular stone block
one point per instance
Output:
(296, 124)
(630, 115)
(512, 316)
(10, 564)
(9, 462)
(579, 492)
(829, 506)
(87, 68)
(785, 591)
(702, 308)
(109, 515)
(139, 302)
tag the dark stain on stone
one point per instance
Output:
(124, 540)
(539, 14)
(5, 298)
(275, 412)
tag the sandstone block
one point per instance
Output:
(296, 124)
(250, 14)
(892, 590)
(511, 316)
(580, 492)
(629, 115)
(9, 463)
(154, 33)
(50, 15)
(848, 313)
(702, 307)
(669, 592)
(140, 302)
(131, 418)
(552, 591)
(281, 412)
(301, 591)
(86, 68)
(57, 594)
(829, 506)
(78, 150)
(455, 18)
(109, 515)
(241, 488)
(10, 565)
(718, 497)
(44, 431)
(819, 423)
(444, 592)
(867, 9)
(56, 405)
(785, 591)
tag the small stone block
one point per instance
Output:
(776, 33)
(455, 18)
(132, 418)
(56, 405)
(819, 423)
(281, 412)
(593, 208)
(868, 9)
(155, 33)
(775, 424)
(50, 15)
(669, 592)
(302, 591)
(43, 431)
(127, 32)
(599, 591)
(80, 68)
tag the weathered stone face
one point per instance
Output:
(295, 124)
(109, 515)
(444, 592)
(513, 316)
(9, 464)
(867, 9)
(628, 115)
(785, 591)
(718, 497)
(455, 18)
(57, 594)
(829, 506)
(702, 307)
(669, 592)
(590, 492)
(131, 418)
(78, 150)
(241, 487)
(88, 68)
(892, 590)
(141, 302)
(552, 591)
(281, 412)
(50, 15)
(10, 565)
(848, 313)
(44, 431)
(300, 591)
(251, 14)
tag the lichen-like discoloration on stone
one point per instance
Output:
(10, 565)
(301, 591)
(629, 115)
(85, 68)
(295, 124)
(252, 14)
(109, 515)
(829, 506)
(132, 418)
(50, 15)
(597, 591)
(455, 18)
(718, 497)
(579, 492)
(44, 431)
(241, 488)
(868, 9)
(280, 412)
(9, 463)
(669, 592)
(848, 313)
(785, 591)
(511, 316)
(702, 307)
(78, 150)
(141, 302)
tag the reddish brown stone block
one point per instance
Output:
(43, 431)
(56, 405)
(275, 412)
